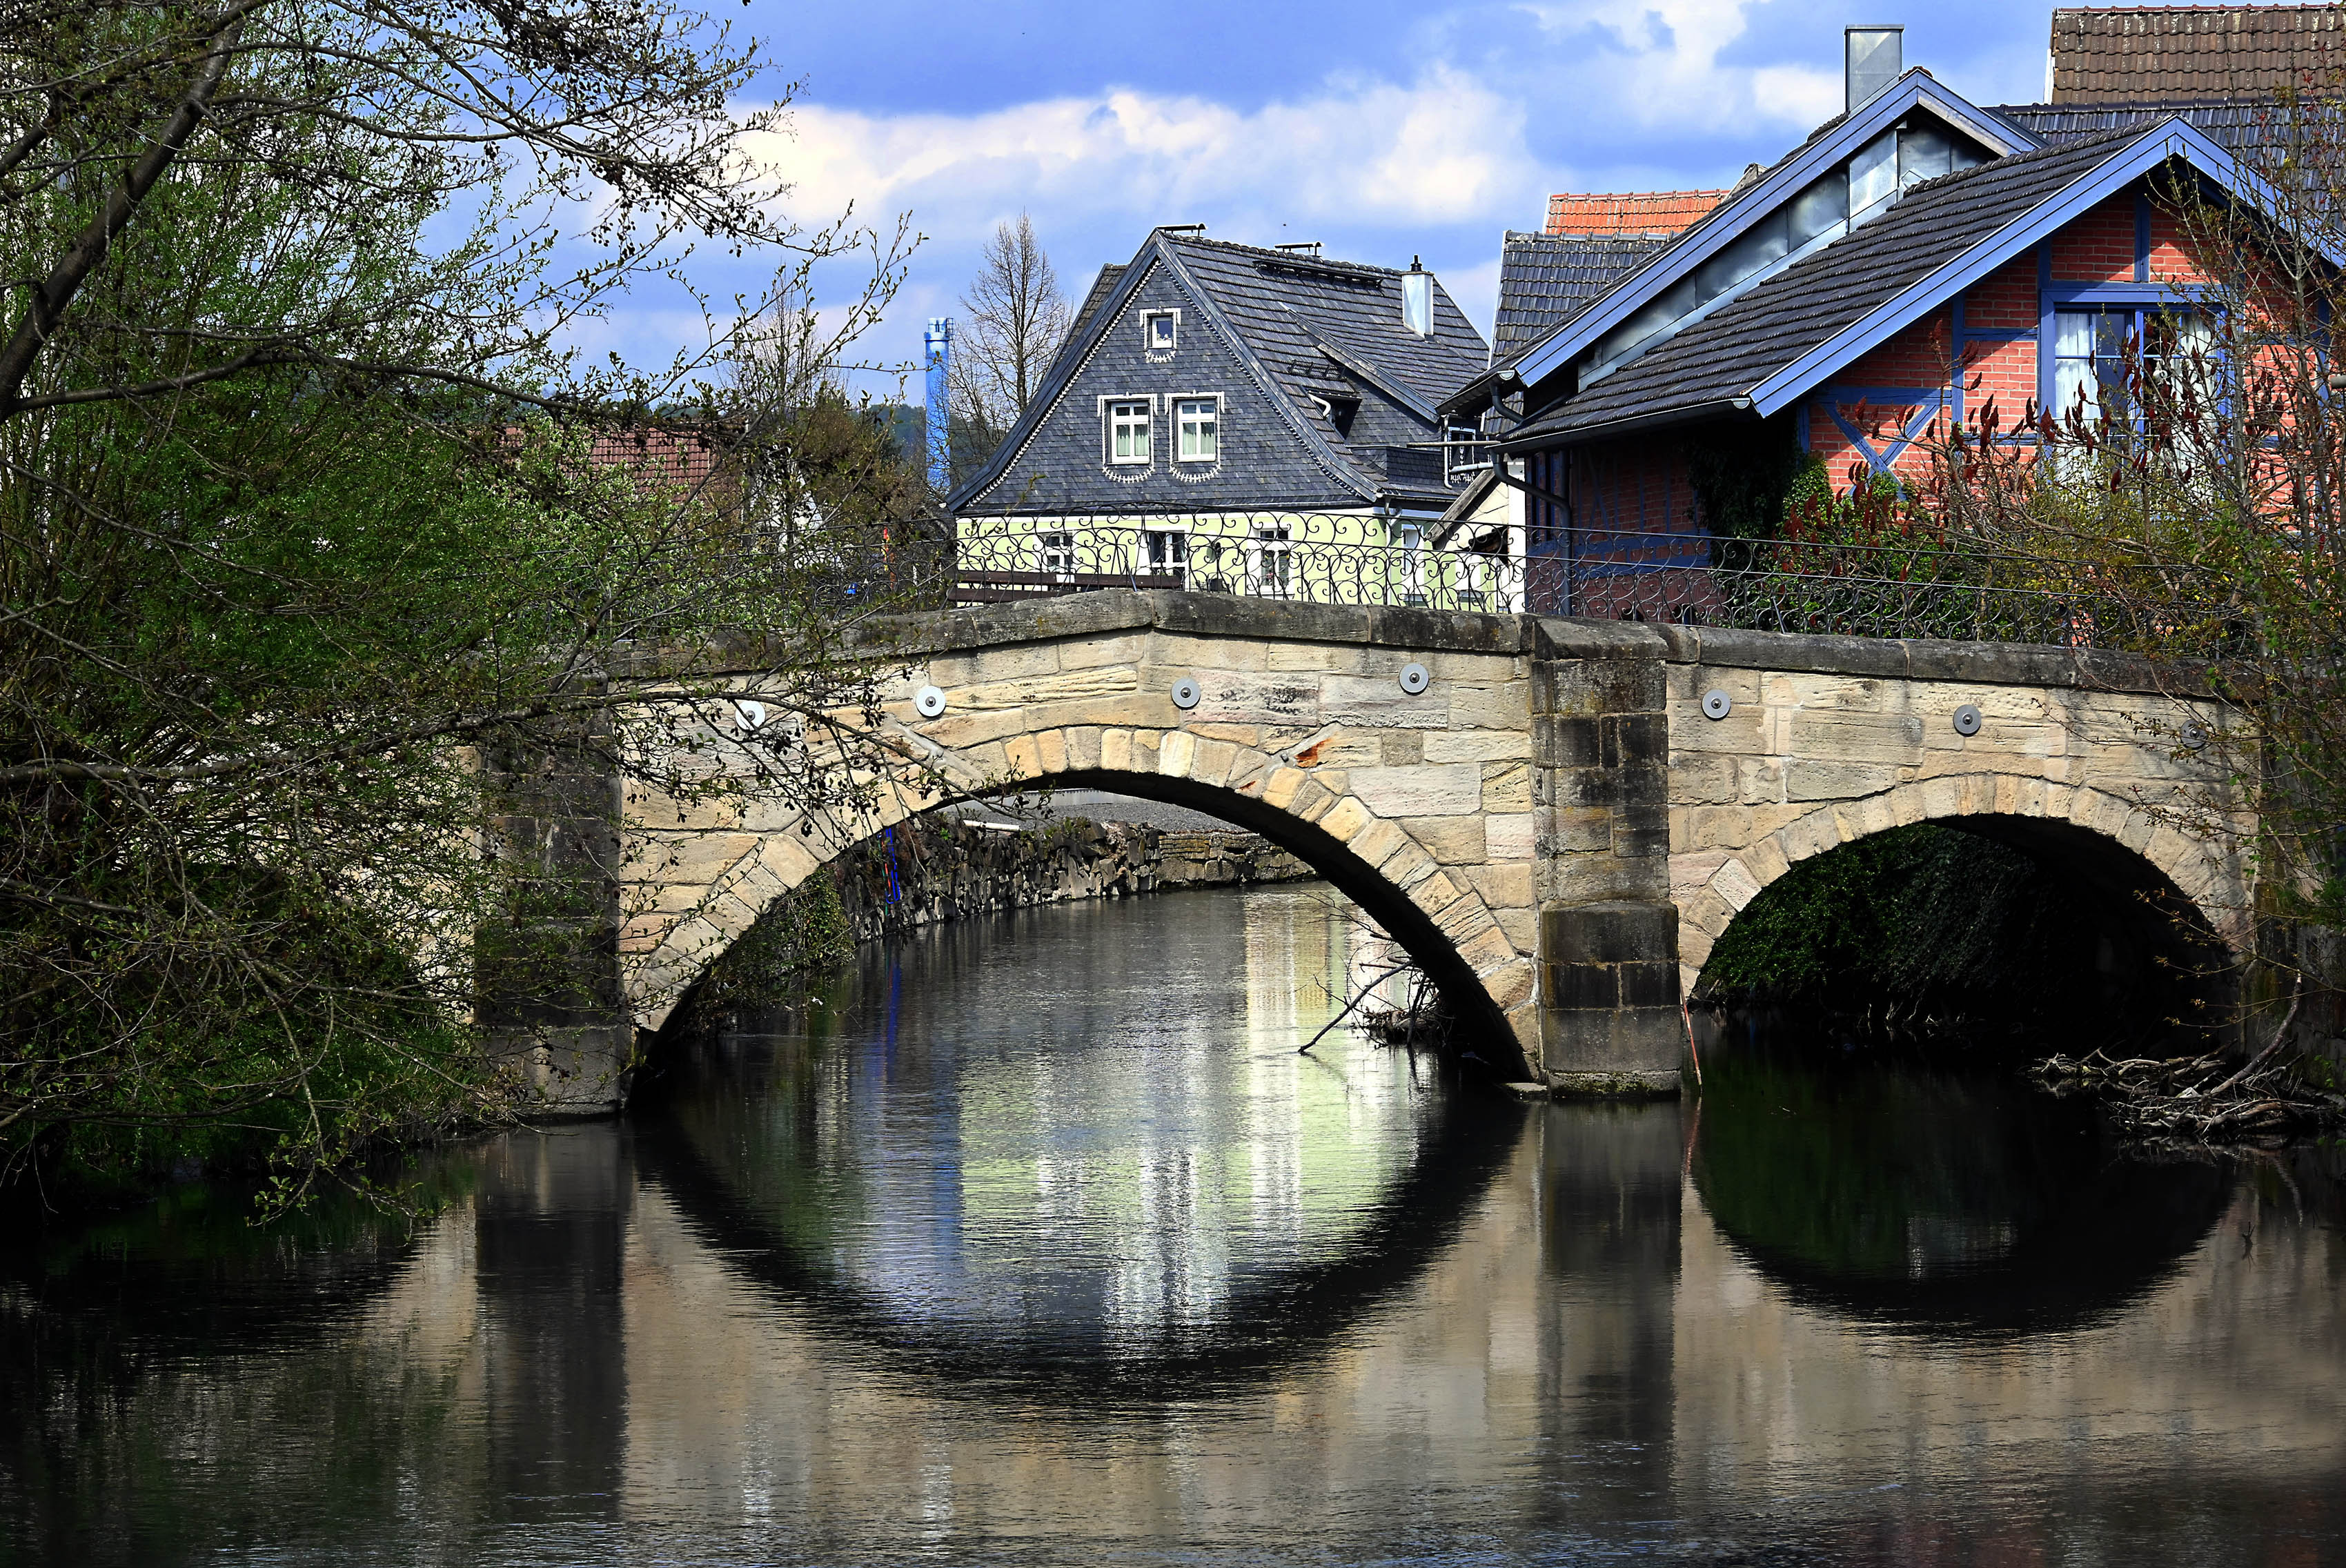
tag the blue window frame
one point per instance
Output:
(2092, 344)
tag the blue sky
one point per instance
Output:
(1383, 130)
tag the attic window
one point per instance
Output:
(1160, 331)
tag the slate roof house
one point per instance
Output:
(1915, 256)
(1220, 410)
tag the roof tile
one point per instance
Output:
(2138, 55)
(1651, 212)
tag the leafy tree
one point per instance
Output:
(319, 551)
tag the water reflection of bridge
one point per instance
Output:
(572, 1348)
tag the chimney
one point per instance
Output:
(939, 413)
(1417, 299)
(1875, 62)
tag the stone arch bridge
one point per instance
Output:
(1553, 825)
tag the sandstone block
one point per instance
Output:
(1735, 885)
(1806, 779)
(1089, 653)
(1509, 836)
(1476, 746)
(1743, 730)
(1484, 708)
(1699, 779)
(1453, 840)
(1051, 750)
(1812, 835)
(1487, 949)
(1378, 702)
(1175, 752)
(1014, 663)
(1435, 894)
(1446, 790)
(1503, 886)
(1718, 826)
(1212, 760)
(1346, 819)
(1506, 788)
(1768, 859)
(1892, 739)
(1378, 842)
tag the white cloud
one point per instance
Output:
(1446, 149)
(1658, 65)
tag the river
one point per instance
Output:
(1036, 1240)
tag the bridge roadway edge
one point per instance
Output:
(1615, 930)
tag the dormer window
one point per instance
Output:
(1160, 331)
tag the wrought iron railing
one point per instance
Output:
(1922, 586)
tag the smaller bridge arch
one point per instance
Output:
(2076, 759)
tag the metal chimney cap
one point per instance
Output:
(1873, 58)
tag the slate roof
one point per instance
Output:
(1278, 304)
(1102, 287)
(1546, 280)
(1301, 327)
(2138, 55)
(1727, 354)
(1653, 212)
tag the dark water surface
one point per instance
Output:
(1040, 1244)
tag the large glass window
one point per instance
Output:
(1197, 422)
(2091, 346)
(1127, 431)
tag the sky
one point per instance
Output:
(1384, 131)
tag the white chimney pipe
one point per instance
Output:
(1417, 299)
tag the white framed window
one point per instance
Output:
(1160, 331)
(1197, 429)
(1169, 553)
(1056, 552)
(1128, 421)
(1271, 563)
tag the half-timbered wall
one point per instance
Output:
(1878, 411)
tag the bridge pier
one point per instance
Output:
(547, 975)
(1608, 931)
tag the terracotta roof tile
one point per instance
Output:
(1627, 212)
(2195, 52)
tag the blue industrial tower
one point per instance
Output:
(940, 408)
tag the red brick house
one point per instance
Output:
(1913, 258)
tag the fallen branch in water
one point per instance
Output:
(2194, 1099)
(1364, 993)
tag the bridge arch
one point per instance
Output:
(1414, 801)
(2108, 839)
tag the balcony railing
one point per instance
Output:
(1924, 586)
